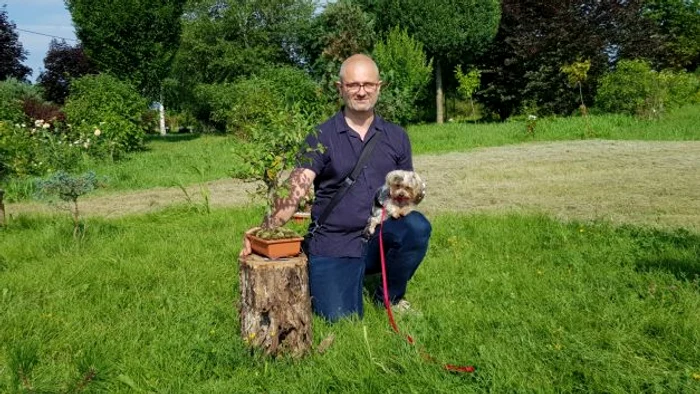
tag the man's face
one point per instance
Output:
(360, 86)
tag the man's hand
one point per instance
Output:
(246, 251)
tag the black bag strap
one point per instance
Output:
(347, 182)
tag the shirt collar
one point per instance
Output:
(342, 126)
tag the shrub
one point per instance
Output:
(102, 102)
(246, 103)
(12, 94)
(634, 88)
(36, 109)
(37, 150)
(69, 188)
(683, 88)
(405, 73)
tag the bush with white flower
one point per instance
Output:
(106, 115)
(37, 148)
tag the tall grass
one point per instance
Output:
(147, 303)
(679, 125)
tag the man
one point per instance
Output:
(339, 256)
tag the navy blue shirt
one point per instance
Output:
(341, 235)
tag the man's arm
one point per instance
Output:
(299, 182)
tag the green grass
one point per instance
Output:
(679, 125)
(171, 161)
(146, 303)
(189, 159)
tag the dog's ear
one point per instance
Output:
(419, 188)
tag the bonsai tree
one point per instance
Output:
(69, 188)
(275, 146)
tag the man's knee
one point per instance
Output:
(415, 227)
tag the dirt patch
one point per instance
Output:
(652, 183)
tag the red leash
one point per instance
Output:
(387, 305)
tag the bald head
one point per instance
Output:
(358, 61)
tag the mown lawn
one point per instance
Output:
(147, 303)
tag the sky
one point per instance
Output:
(41, 16)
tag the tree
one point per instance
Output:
(223, 41)
(535, 39)
(341, 30)
(453, 31)
(62, 64)
(405, 74)
(679, 23)
(468, 83)
(11, 52)
(134, 40)
(577, 73)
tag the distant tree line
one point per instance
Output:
(215, 62)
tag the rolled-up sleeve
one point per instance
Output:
(313, 155)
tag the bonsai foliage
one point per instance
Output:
(69, 188)
(275, 147)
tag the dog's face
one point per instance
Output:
(405, 187)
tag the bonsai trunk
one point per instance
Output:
(275, 305)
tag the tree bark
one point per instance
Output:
(161, 115)
(275, 305)
(76, 218)
(2, 208)
(439, 96)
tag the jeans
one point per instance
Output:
(336, 282)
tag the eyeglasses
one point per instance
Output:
(355, 87)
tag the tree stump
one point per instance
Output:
(275, 306)
(2, 208)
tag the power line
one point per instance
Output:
(47, 35)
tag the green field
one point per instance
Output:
(146, 303)
(189, 159)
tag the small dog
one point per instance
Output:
(400, 195)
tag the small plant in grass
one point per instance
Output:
(468, 83)
(530, 125)
(275, 146)
(69, 188)
(577, 73)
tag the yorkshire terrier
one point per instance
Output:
(400, 194)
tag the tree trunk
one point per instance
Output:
(275, 305)
(2, 208)
(439, 97)
(76, 218)
(161, 111)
